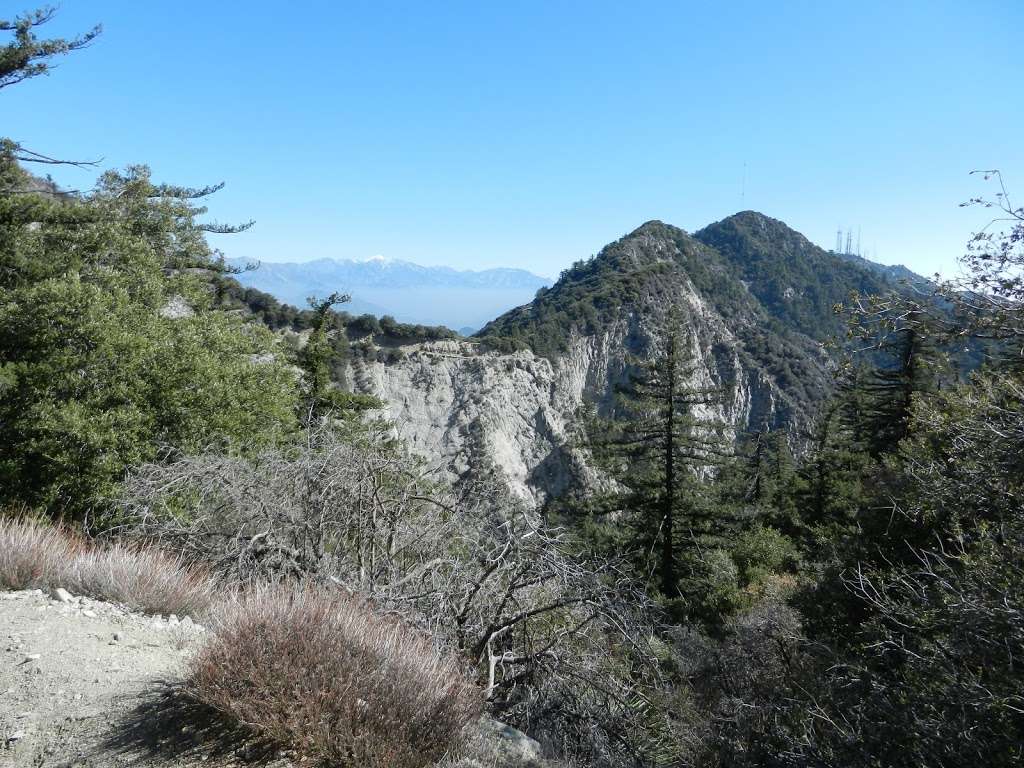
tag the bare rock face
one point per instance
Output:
(456, 405)
(463, 405)
(497, 745)
(176, 308)
(459, 405)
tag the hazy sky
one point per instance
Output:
(530, 134)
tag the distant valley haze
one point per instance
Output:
(463, 300)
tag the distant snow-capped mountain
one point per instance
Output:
(412, 293)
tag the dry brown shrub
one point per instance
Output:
(326, 676)
(33, 555)
(559, 644)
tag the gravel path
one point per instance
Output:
(85, 683)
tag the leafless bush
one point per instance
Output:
(349, 507)
(141, 578)
(560, 645)
(323, 674)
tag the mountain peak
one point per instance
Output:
(757, 225)
(657, 228)
(752, 216)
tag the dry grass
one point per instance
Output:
(33, 555)
(324, 675)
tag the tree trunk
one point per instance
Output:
(669, 581)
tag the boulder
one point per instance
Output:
(497, 744)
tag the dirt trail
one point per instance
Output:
(82, 683)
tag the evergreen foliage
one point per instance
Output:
(657, 449)
(318, 359)
(112, 354)
(27, 56)
(795, 280)
(914, 629)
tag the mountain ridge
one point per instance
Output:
(435, 295)
(751, 298)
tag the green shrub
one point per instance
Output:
(761, 551)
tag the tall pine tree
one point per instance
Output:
(658, 448)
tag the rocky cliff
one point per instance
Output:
(462, 404)
(753, 300)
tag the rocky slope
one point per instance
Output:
(511, 395)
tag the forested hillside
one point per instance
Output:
(774, 290)
(798, 283)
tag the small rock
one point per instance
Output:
(117, 637)
(89, 614)
(16, 736)
(32, 657)
(176, 308)
(511, 742)
(61, 595)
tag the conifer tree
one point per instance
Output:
(890, 388)
(322, 397)
(658, 449)
(27, 56)
(763, 479)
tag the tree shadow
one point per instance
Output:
(168, 725)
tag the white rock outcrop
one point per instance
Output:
(457, 404)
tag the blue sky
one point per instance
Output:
(524, 134)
